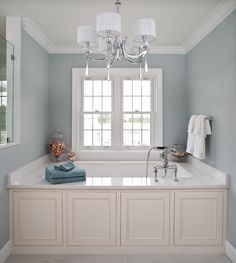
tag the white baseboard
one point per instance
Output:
(5, 252)
(230, 251)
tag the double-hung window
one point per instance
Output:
(137, 109)
(96, 113)
(122, 114)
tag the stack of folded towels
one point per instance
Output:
(66, 172)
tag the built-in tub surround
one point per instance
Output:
(119, 210)
(119, 174)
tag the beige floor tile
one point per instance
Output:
(206, 258)
(137, 258)
(155, 258)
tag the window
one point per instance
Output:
(3, 107)
(97, 104)
(6, 91)
(123, 114)
(137, 109)
(10, 83)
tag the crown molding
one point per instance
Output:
(223, 10)
(37, 34)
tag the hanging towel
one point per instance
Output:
(203, 129)
(191, 130)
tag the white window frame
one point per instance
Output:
(117, 152)
(13, 35)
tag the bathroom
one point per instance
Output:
(192, 62)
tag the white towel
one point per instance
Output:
(191, 129)
(202, 130)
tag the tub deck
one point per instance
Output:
(120, 175)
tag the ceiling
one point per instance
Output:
(176, 20)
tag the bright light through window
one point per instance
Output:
(137, 109)
(97, 116)
(124, 114)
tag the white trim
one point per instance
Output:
(159, 104)
(230, 251)
(13, 35)
(75, 127)
(224, 9)
(37, 34)
(5, 252)
(77, 74)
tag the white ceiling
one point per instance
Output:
(176, 20)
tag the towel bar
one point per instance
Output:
(210, 118)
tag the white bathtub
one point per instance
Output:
(119, 174)
(127, 169)
(118, 210)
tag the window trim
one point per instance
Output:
(116, 152)
(13, 35)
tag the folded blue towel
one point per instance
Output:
(66, 166)
(56, 174)
(65, 180)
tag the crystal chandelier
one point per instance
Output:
(107, 37)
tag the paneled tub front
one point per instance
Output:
(119, 210)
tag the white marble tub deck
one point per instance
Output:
(107, 175)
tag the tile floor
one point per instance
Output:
(151, 258)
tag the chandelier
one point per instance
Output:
(107, 37)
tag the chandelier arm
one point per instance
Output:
(115, 57)
(98, 59)
(134, 58)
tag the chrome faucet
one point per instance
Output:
(148, 155)
(165, 166)
(164, 156)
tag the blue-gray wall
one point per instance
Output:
(174, 92)
(203, 81)
(34, 122)
(211, 89)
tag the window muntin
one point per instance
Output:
(117, 151)
(136, 111)
(97, 113)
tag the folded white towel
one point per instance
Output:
(191, 128)
(202, 130)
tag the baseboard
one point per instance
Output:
(230, 251)
(5, 252)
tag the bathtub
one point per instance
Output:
(119, 174)
(118, 210)
(126, 169)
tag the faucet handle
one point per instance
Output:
(161, 147)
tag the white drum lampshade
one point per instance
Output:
(108, 24)
(86, 34)
(144, 27)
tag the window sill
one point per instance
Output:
(111, 155)
(10, 144)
